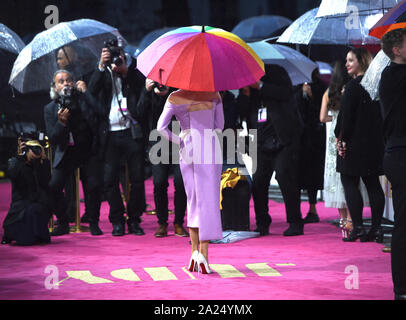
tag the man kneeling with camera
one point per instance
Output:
(69, 120)
(27, 220)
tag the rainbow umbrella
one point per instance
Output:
(393, 19)
(201, 59)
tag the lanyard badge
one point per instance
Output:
(262, 115)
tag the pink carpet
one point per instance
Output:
(316, 266)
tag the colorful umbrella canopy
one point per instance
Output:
(201, 59)
(393, 19)
(298, 66)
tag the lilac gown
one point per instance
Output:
(200, 115)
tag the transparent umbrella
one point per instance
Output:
(261, 27)
(10, 41)
(298, 66)
(36, 63)
(346, 7)
(372, 76)
(308, 29)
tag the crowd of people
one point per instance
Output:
(97, 122)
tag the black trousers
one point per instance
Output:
(160, 173)
(70, 190)
(312, 195)
(121, 144)
(285, 164)
(355, 202)
(94, 185)
(395, 170)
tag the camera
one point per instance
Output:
(160, 87)
(34, 141)
(67, 97)
(115, 48)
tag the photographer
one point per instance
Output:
(116, 86)
(69, 120)
(269, 106)
(151, 105)
(29, 171)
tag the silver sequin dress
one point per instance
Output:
(333, 189)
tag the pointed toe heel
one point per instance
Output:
(203, 266)
(193, 262)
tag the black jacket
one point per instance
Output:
(149, 109)
(79, 124)
(101, 88)
(29, 185)
(313, 140)
(392, 93)
(277, 96)
(359, 124)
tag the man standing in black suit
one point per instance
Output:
(150, 107)
(117, 86)
(68, 121)
(269, 107)
(392, 93)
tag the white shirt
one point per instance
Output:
(117, 121)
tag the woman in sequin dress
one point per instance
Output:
(333, 189)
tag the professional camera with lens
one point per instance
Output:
(115, 48)
(67, 97)
(160, 87)
(33, 141)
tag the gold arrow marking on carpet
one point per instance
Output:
(263, 270)
(86, 276)
(125, 274)
(160, 274)
(188, 273)
(227, 271)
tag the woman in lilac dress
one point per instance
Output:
(201, 117)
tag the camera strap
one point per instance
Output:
(115, 89)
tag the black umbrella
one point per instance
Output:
(261, 27)
(151, 37)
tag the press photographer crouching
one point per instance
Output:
(117, 84)
(69, 120)
(29, 171)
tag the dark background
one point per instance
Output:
(133, 18)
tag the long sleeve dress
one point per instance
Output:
(200, 115)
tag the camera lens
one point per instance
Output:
(36, 150)
(118, 61)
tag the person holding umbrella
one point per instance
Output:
(201, 62)
(392, 93)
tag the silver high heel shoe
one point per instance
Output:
(193, 262)
(344, 231)
(203, 266)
